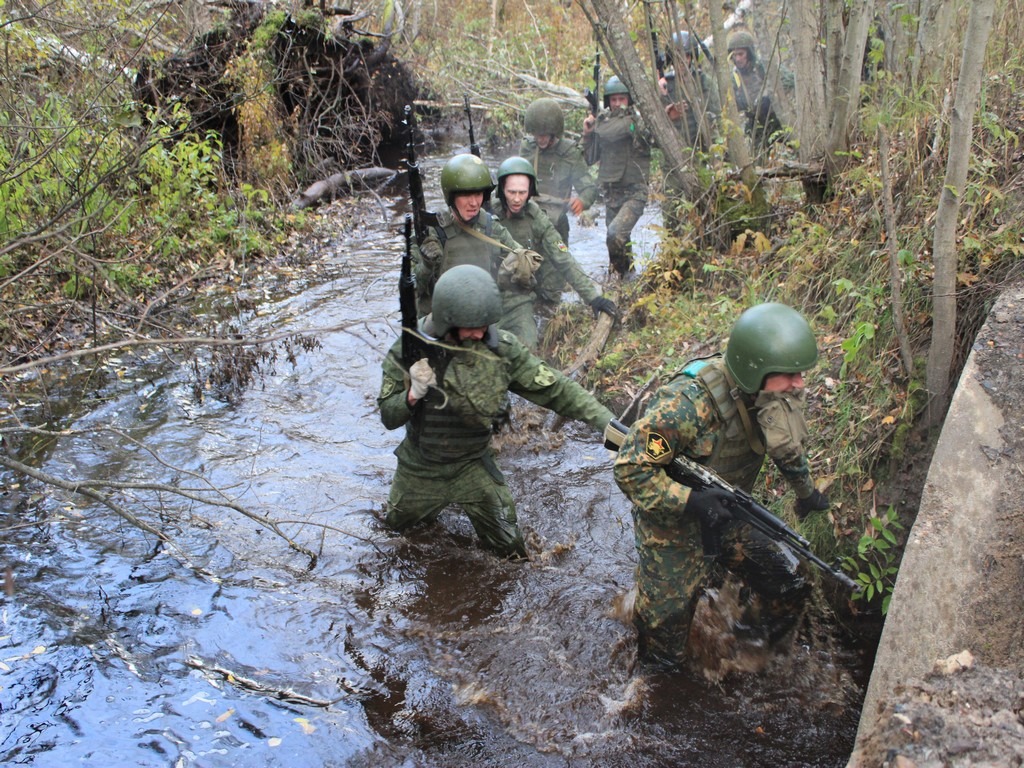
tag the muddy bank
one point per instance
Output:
(961, 579)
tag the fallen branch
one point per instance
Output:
(346, 181)
(283, 694)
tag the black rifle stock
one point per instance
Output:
(421, 217)
(414, 346)
(474, 148)
(742, 505)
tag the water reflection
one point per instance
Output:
(118, 649)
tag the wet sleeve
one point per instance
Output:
(797, 472)
(557, 253)
(536, 381)
(392, 402)
(664, 431)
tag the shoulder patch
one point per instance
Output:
(657, 446)
(563, 247)
(544, 377)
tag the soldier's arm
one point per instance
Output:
(668, 426)
(797, 472)
(392, 401)
(557, 253)
(536, 381)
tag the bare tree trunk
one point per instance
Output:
(940, 354)
(935, 35)
(739, 152)
(846, 98)
(810, 81)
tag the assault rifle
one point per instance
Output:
(421, 217)
(414, 346)
(474, 148)
(591, 96)
(741, 504)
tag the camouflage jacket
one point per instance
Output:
(623, 148)
(560, 169)
(684, 419)
(455, 421)
(447, 245)
(533, 229)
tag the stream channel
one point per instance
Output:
(417, 650)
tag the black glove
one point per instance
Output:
(816, 502)
(710, 505)
(601, 304)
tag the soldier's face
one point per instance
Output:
(739, 58)
(783, 382)
(544, 140)
(468, 204)
(618, 101)
(471, 334)
(517, 192)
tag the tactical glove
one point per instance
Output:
(576, 206)
(422, 378)
(710, 505)
(816, 502)
(601, 304)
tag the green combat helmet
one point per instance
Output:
(742, 39)
(464, 297)
(512, 166)
(544, 118)
(465, 173)
(769, 338)
(613, 86)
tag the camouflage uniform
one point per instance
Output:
(533, 229)
(560, 168)
(694, 415)
(751, 92)
(624, 152)
(448, 244)
(446, 457)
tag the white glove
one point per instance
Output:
(422, 376)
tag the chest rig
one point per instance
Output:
(739, 449)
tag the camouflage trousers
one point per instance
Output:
(517, 318)
(623, 208)
(419, 494)
(672, 573)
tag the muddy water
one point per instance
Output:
(227, 649)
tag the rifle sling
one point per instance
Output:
(480, 235)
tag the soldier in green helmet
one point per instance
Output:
(691, 96)
(750, 89)
(564, 183)
(623, 150)
(467, 233)
(530, 226)
(451, 403)
(727, 412)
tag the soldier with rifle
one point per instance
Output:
(450, 402)
(467, 233)
(727, 413)
(564, 183)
